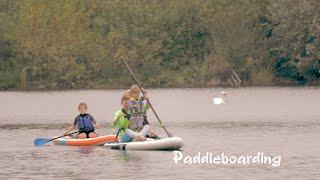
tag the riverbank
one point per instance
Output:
(267, 85)
(174, 44)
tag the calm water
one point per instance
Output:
(276, 121)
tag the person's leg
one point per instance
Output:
(152, 134)
(135, 136)
(125, 138)
(145, 130)
(132, 133)
(93, 135)
(82, 136)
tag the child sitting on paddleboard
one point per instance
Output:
(131, 119)
(85, 123)
(121, 121)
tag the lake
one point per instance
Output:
(276, 121)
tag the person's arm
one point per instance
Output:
(120, 121)
(146, 106)
(115, 121)
(146, 95)
(73, 127)
(94, 122)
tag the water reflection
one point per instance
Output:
(85, 149)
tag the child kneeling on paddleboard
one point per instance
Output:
(138, 107)
(85, 123)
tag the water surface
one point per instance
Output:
(276, 121)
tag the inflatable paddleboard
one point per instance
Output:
(101, 140)
(172, 143)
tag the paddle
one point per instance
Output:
(135, 79)
(43, 141)
(116, 139)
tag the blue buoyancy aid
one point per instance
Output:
(84, 122)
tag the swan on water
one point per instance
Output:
(221, 99)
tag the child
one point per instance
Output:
(121, 121)
(138, 107)
(85, 123)
(138, 111)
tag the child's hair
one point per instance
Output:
(127, 93)
(82, 104)
(134, 88)
(125, 97)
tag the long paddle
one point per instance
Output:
(117, 135)
(135, 79)
(43, 141)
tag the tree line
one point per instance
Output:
(51, 44)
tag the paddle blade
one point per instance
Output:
(41, 141)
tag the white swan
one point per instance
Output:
(220, 100)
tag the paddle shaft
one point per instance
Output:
(118, 134)
(62, 136)
(135, 79)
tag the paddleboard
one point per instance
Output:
(101, 140)
(172, 143)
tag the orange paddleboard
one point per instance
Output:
(101, 140)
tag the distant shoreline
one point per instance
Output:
(197, 87)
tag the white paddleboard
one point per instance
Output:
(172, 143)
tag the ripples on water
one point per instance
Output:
(190, 124)
(277, 121)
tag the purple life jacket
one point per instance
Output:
(84, 122)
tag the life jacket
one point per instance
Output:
(84, 122)
(137, 114)
(136, 106)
